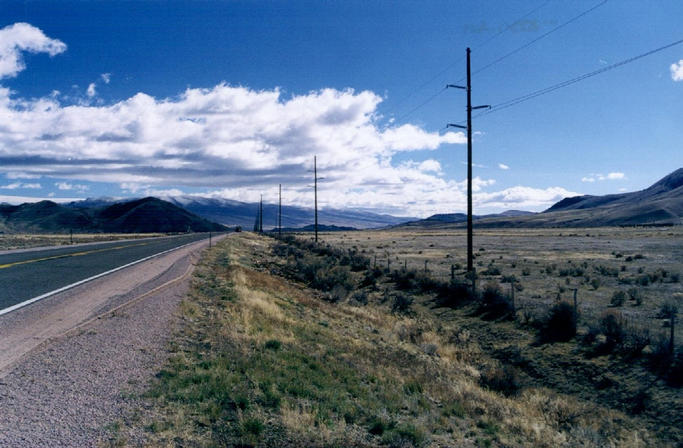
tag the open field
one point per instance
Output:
(547, 263)
(11, 241)
(288, 344)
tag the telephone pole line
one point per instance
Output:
(468, 88)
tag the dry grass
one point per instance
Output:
(264, 362)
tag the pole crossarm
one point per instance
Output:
(453, 125)
(454, 86)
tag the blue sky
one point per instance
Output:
(228, 99)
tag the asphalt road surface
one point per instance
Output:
(25, 275)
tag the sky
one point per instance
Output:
(231, 98)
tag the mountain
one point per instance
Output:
(232, 213)
(444, 219)
(147, 215)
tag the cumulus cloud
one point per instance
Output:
(106, 77)
(677, 71)
(234, 141)
(503, 166)
(21, 37)
(16, 185)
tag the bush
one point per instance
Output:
(595, 283)
(504, 380)
(494, 304)
(560, 324)
(612, 326)
(618, 298)
(401, 303)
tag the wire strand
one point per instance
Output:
(537, 93)
(533, 41)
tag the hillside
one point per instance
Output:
(659, 204)
(147, 215)
(231, 213)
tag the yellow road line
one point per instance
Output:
(74, 254)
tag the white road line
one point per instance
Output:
(80, 282)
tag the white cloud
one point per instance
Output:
(68, 186)
(15, 200)
(600, 177)
(239, 143)
(525, 198)
(106, 77)
(503, 166)
(20, 175)
(430, 165)
(20, 37)
(16, 185)
(677, 71)
(91, 92)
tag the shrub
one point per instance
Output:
(491, 270)
(453, 293)
(612, 326)
(273, 344)
(526, 271)
(494, 304)
(618, 298)
(360, 297)
(560, 324)
(501, 379)
(401, 303)
(595, 283)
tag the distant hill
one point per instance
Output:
(232, 213)
(147, 215)
(660, 204)
(458, 218)
(321, 228)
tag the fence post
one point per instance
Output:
(425, 266)
(405, 264)
(512, 295)
(452, 272)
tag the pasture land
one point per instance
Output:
(296, 344)
(547, 264)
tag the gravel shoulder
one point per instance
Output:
(72, 366)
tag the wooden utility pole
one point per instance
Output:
(468, 88)
(315, 189)
(260, 223)
(279, 212)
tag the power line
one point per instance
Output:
(453, 64)
(537, 93)
(422, 104)
(533, 41)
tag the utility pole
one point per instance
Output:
(468, 88)
(279, 212)
(260, 225)
(315, 189)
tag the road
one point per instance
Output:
(76, 362)
(28, 274)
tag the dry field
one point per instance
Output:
(547, 263)
(27, 241)
(272, 352)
